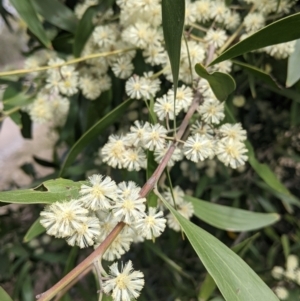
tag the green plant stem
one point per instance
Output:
(70, 62)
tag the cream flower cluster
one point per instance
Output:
(139, 26)
(290, 273)
(206, 141)
(103, 204)
(87, 221)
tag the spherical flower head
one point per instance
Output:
(125, 285)
(219, 11)
(231, 153)
(198, 148)
(136, 136)
(141, 35)
(122, 68)
(176, 197)
(232, 21)
(254, 22)
(100, 193)
(113, 151)
(125, 189)
(85, 234)
(281, 292)
(202, 129)
(121, 243)
(164, 108)
(233, 132)
(282, 50)
(176, 156)
(61, 219)
(152, 225)
(184, 98)
(40, 110)
(137, 87)
(216, 37)
(134, 159)
(277, 272)
(90, 87)
(155, 137)
(202, 9)
(130, 208)
(212, 111)
(104, 36)
(292, 263)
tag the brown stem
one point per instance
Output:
(73, 276)
(83, 266)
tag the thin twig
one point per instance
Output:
(70, 62)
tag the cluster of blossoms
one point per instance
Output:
(206, 141)
(291, 273)
(87, 221)
(139, 27)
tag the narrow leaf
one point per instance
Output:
(258, 73)
(93, 132)
(4, 295)
(173, 13)
(47, 193)
(293, 74)
(283, 30)
(35, 230)
(29, 16)
(222, 84)
(235, 279)
(229, 218)
(56, 13)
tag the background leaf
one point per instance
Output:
(222, 84)
(4, 295)
(264, 171)
(229, 218)
(293, 74)
(258, 73)
(29, 16)
(95, 130)
(235, 279)
(56, 13)
(283, 30)
(35, 230)
(46, 193)
(173, 13)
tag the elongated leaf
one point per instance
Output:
(86, 25)
(47, 193)
(229, 218)
(283, 30)
(56, 13)
(35, 230)
(264, 171)
(95, 130)
(258, 73)
(293, 74)
(4, 295)
(235, 279)
(29, 15)
(20, 99)
(173, 13)
(209, 285)
(222, 84)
